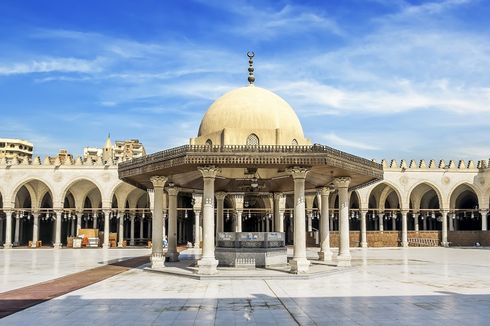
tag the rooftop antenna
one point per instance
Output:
(251, 78)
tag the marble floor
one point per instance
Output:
(414, 286)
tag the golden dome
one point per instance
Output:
(247, 111)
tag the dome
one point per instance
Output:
(250, 111)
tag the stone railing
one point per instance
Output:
(237, 149)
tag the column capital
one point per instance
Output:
(196, 202)
(298, 172)
(209, 171)
(172, 191)
(220, 195)
(324, 191)
(158, 181)
(279, 195)
(342, 182)
(484, 211)
(238, 200)
(404, 211)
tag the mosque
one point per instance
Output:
(249, 169)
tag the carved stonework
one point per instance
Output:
(208, 201)
(324, 191)
(342, 182)
(301, 200)
(238, 200)
(209, 171)
(196, 201)
(158, 181)
(220, 195)
(446, 180)
(298, 172)
(172, 191)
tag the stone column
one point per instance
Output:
(444, 228)
(424, 222)
(381, 221)
(393, 221)
(157, 259)
(279, 208)
(484, 214)
(94, 217)
(17, 230)
(238, 200)
(148, 226)
(207, 264)
(8, 229)
(121, 228)
(172, 253)
(141, 225)
(342, 185)
(404, 228)
(57, 238)
(35, 228)
(325, 254)
(131, 237)
(299, 263)
(197, 207)
(220, 201)
(106, 243)
(364, 242)
(310, 221)
(416, 221)
(79, 222)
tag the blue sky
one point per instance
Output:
(380, 78)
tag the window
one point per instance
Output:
(209, 142)
(252, 140)
(294, 142)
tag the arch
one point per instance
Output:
(380, 193)
(81, 189)
(209, 143)
(294, 142)
(424, 187)
(459, 188)
(120, 193)
(253, 140)
(37, 188)
(354, 200)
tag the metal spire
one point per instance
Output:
(251, 78)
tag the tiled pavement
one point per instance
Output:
(429, 286)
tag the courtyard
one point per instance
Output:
(385, 286)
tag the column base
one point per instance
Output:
(207, 266)
(325, 255)
(364, 245)
(299, 265)
(172, 256)
(445, 244)
(196, 245)
(405, 244)
(120, 245)
(131, 243)
(7, 246)
(157, 260)
(106, 245)
(343, 260)
(57, 245)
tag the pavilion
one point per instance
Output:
(250, 142)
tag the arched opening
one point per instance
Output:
(464, 206)
(185, 218)
(354, 215)
(383, 208)
(253, 140)
(209, 143)
(82, 202)
(34, 220)
(255, 213)
(425, 201)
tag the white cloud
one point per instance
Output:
(334, 139)
(52, 65)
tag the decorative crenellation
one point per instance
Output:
(433, 165)
(36, 161)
